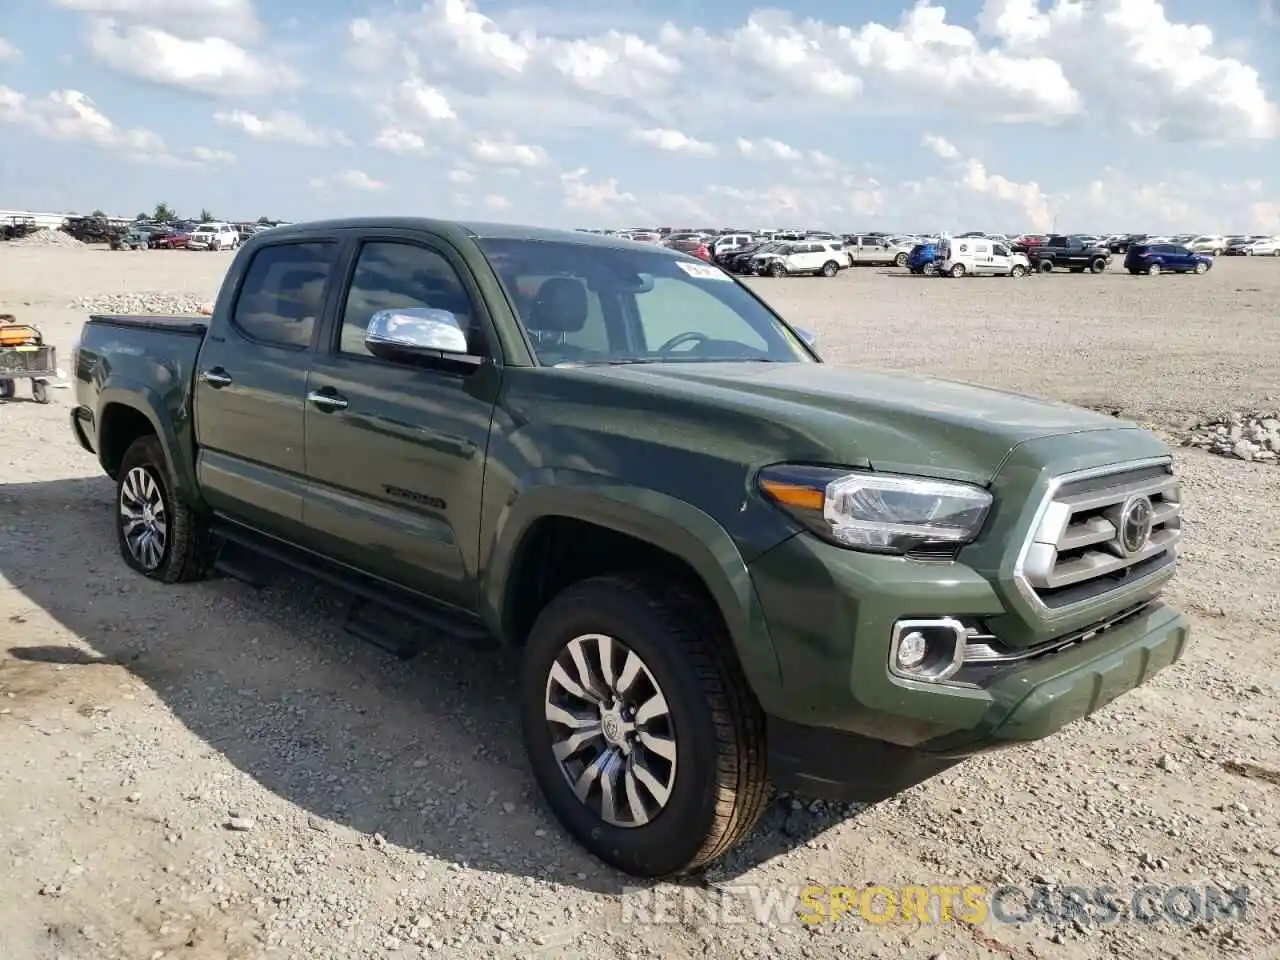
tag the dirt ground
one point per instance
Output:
(211, 771)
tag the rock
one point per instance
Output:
(240, 824)
(1253, 437)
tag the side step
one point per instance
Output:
(382, 614)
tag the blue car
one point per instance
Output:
(922, 258)
(1158, 258)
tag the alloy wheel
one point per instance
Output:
(611, 730)
(143, 518)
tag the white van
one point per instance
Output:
(966, 256)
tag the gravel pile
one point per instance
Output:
(1246, 436)
(47, 238)
(131, 304)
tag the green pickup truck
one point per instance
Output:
(723, 563)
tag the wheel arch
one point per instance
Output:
(614, 528)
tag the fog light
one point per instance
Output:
(928, 650)
(912, 649)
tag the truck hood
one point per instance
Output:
(822, 413)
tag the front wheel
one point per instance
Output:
(957, 270)
(1153, 270)
(1046, 266)
(158, 536)
(1098, 266)
(1018, 271)
(929, 269)
(830, 268)
(640, 728)
(1202, 268)
(777, 270)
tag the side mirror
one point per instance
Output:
(412, 333)
(808, 337)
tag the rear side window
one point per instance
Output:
(283, 293)
(1139, 248)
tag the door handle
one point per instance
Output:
(327, 401)
(216, 378)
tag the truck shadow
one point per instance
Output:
(426, 753)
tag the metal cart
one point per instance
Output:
(24, 356)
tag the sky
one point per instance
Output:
(997, 115)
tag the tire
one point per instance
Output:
(1202, 268)
(1018, 271)
(184, 552)
(957, 270)
(718, 782)
(7, 390)
(900, 260)
(39, 391)
(1276, 252)
(1217, 253)
(830, 268)
(1098, 266)
(1045, 266)
(777, 270)
(1153, 270)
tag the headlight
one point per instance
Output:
(878, 512)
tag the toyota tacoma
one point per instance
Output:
(722, 562)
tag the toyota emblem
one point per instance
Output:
(1135, 525)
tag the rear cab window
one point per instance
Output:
(283, 293)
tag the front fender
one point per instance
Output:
(658, 519)
(170, 417)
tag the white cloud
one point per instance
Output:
(602, 198)
(614, 64)
(69, 115)
(943, 148)
(190, 19)
(356, 180)
(768, 147)
(211, 65)
(496, 202)
(8, 52)
(281, 126)
(426, 102)
(1133, 64)
(673, 141)
(212, 156)
(507, 153)
(458, 175)
(395, 140)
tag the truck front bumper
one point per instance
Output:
(844, 727)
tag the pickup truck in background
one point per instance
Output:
(1068, 253)
(723, 563)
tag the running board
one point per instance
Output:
(383, 614)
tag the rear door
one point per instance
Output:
(396, 451)
(251, 383)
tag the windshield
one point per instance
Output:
(587, 304)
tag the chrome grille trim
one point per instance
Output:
(1073, 539)
(985, 648)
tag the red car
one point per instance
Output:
(169, 241)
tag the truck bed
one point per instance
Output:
(192, 325)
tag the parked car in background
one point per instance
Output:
(978, 256)
(1255, 247)
(1211, 243)
(1074, 253)
(877, 250)
(214, 236)
(1157, 258)
(923, 258)
(694, 245)
(170, 240)
(739, 261)
(817, 257)
(1028, 241)
(728, 243)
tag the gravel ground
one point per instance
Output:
(213, 772)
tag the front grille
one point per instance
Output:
(1091, 537)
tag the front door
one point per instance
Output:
(250, 384)
(1000, 263)
(396, 452)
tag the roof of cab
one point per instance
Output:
(472, 230)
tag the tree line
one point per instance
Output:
(163, 213)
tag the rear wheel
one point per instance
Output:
(7, 390)
(640, 728)
(929, 269)
(900, 260)
(830, 268)
(1153, 270)
(1046, 266)
(776, 269)
(159, 536)
(39, 391)
(1098, 265)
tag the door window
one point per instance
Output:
(283, 293)
(390, 275)
(1001, 251)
